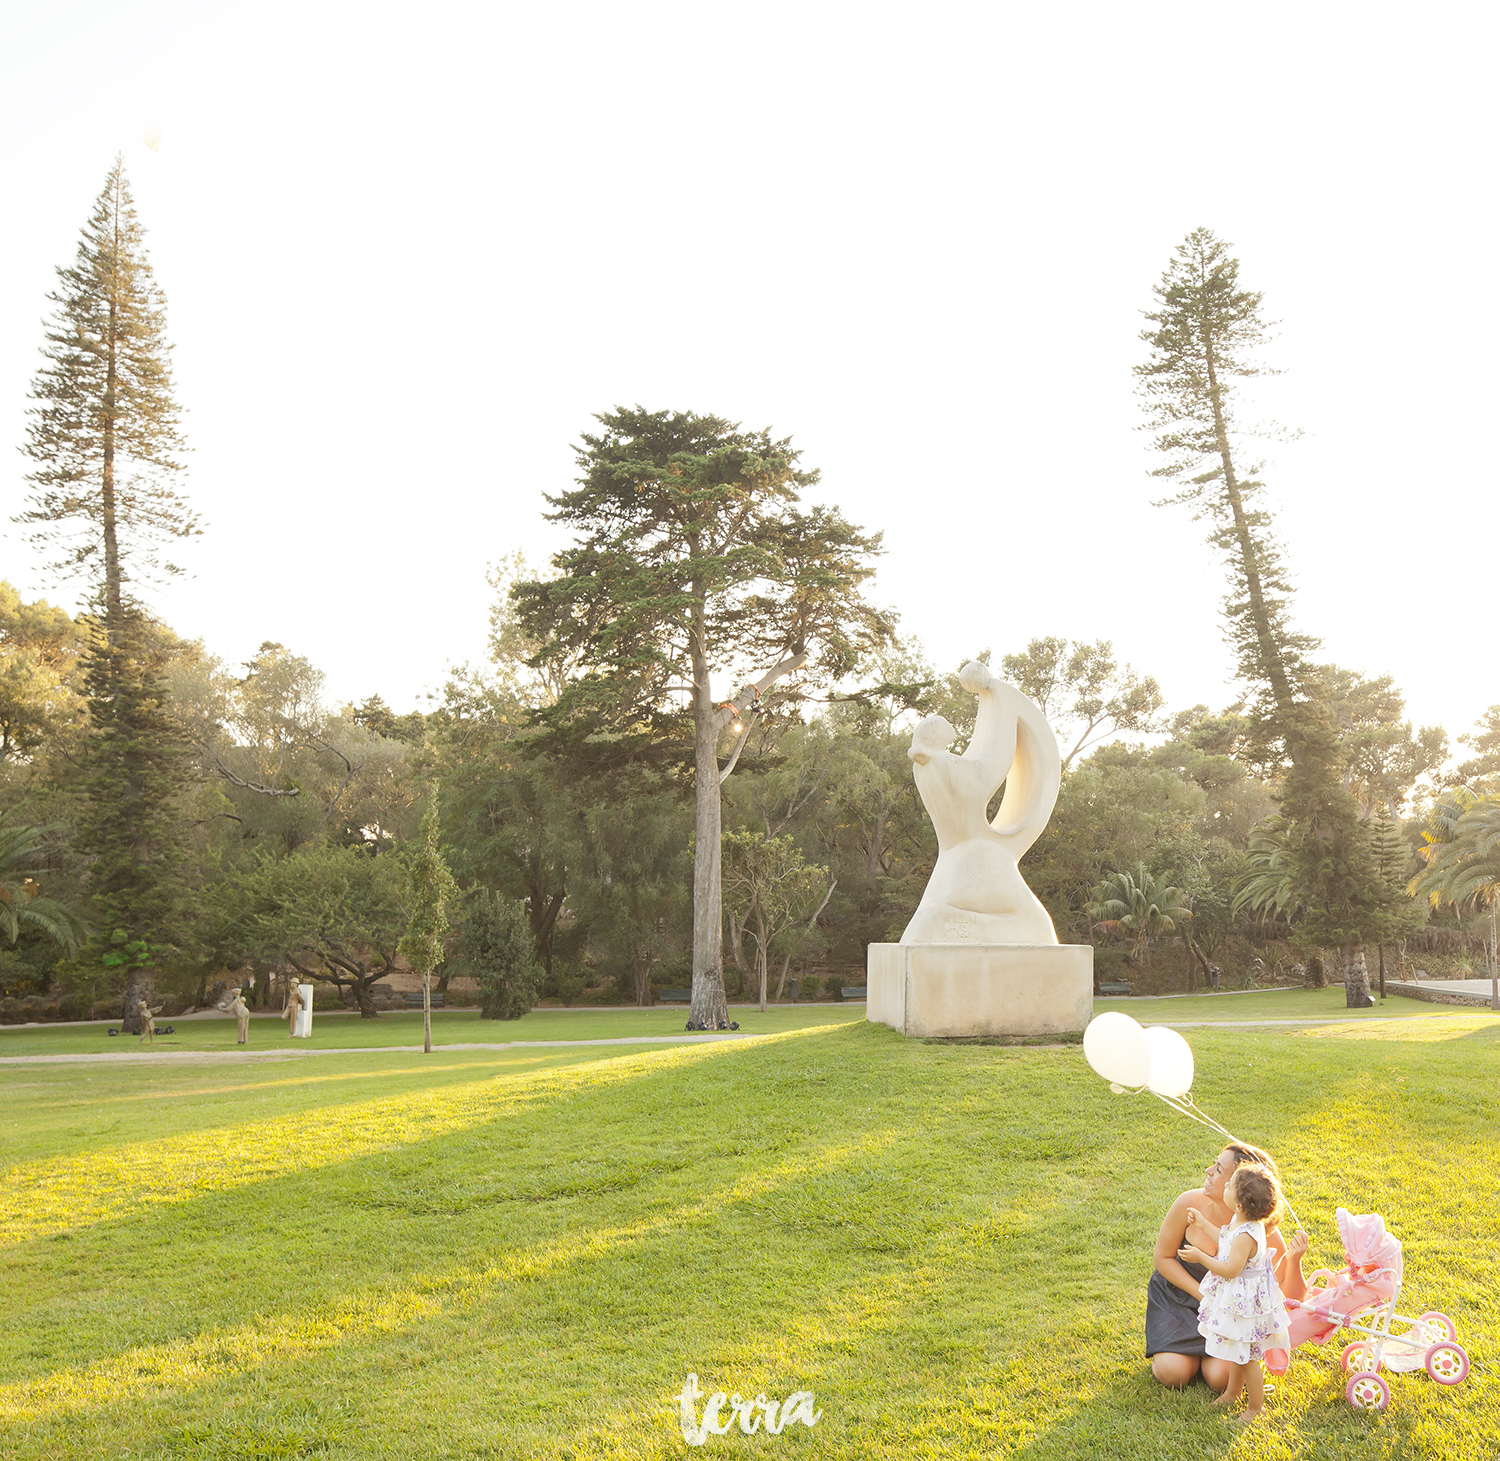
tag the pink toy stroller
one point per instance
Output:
(1363, 1298)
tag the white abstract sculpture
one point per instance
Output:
(980, 956)
(976, 894)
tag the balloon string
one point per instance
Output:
(1185, 1105)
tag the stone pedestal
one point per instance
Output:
(949, 990)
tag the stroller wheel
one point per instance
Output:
(1447, 1363)
(1367, 1391)
(1438, 1326)
(1357, 1357)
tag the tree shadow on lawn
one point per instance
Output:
(999, 1227)
(1131, 1418)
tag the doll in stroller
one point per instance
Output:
(1361, 1300)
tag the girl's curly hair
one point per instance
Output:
(1257, 1192)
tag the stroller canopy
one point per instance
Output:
(1368, 1248)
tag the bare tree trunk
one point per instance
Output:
(1494, 960)
(140, 984)
(427, 1012)
(1381, 951)
(1356, 977)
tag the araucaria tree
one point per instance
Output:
(694, 562)
(131, 826)
(105, 440)
(1207, 332)
(105, 433)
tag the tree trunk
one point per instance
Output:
(1494, 959)
(1187, 944)
(1317, 974)
(140, 984)
(365, 999)
(640, 977)
(1271, 665)
(1356, 977)
(1380, 948)
(709, 1005)
(427, 1012)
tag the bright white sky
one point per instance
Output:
(408, 250)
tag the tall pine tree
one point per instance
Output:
(106, 442)
(1207, 333)
(105, 433)
(131, 826)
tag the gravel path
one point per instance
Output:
(189, 1056)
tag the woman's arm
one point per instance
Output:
(1289, 1276)
(1169, 1240)
(1239, 1255)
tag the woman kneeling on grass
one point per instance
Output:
(1174, 1345)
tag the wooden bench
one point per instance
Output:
(414, 1000)
(675, 996)
(854, 991)
(1114, 986)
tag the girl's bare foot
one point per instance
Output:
(1224, 1401)
(1249, 1416)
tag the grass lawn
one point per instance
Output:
(1267, 1004)
(522, 1253)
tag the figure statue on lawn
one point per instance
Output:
(296, 1002)
(241, 1012)
(148, 1020)
(976, 894)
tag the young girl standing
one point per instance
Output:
(1242, 1313)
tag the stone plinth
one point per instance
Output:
(950, 990)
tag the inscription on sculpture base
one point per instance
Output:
(955, 990)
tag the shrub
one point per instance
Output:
(810, 987)
(498, 951)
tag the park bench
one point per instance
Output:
(1114, 986)
(675, 996)
(854, 991)
(414, 1000)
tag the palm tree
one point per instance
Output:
(21, 901)
(1267, 885)
(1462, 854)
(1139, 904)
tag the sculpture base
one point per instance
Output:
(957, 990)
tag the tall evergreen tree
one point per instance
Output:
(131, 826)
(1207, 332)
(105, 437)
(105, 433)
(693, 559)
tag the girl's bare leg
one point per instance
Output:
(1255, 1390)
(1234, 1389)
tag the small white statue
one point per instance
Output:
(296, 1001)
(241, 1012)
(148, 1020)
(976, 894)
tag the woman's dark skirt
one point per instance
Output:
(1172, 1316)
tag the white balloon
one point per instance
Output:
(154, 138)
(1171, 1062)
(1116, 1047)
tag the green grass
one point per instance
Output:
(522, 1253)
(449, 1027)
(1270, 1004)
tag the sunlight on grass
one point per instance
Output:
(947, 1244)
(190, 1362)
(1423, 1031)
(39, 1199)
